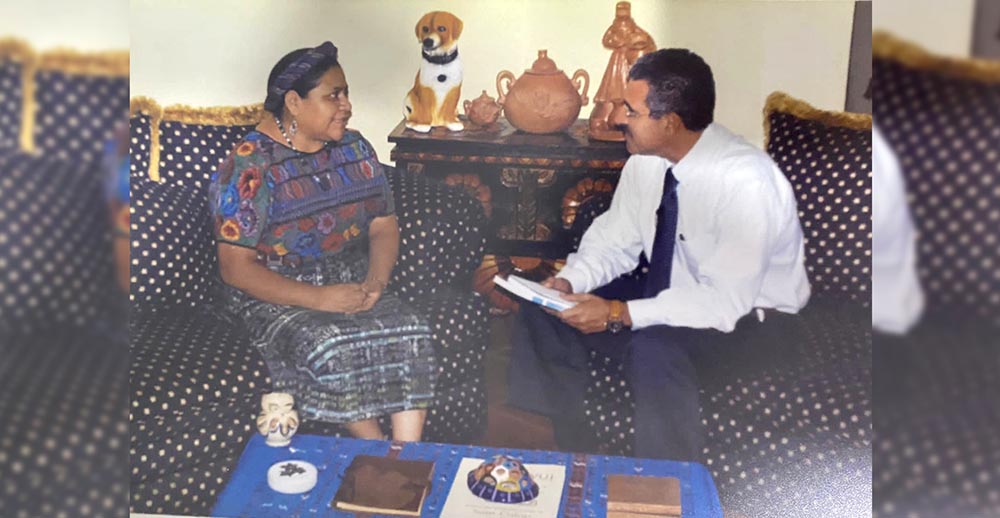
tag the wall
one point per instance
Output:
(220, 52)
(943, 27)
(81, 25)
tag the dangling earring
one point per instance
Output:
(294, 127)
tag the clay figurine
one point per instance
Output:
(277, 420)
(627, 43)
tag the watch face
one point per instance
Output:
(615, 326)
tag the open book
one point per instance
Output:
(533, 292)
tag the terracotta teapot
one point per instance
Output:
(543, 99)
(483, 111)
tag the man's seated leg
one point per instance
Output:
(665, 391)
(548, 373)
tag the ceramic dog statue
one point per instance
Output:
(433, 100)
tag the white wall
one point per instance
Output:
(81, 25)
(220, 52)
(942, 27)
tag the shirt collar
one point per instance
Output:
(702, 151)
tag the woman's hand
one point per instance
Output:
(341, 298)
(373, 291)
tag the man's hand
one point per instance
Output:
(558, 284)
(590, 315)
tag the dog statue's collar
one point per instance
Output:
(440, 60)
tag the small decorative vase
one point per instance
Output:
(482, 111)
(277, 421)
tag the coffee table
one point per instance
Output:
(584, 494)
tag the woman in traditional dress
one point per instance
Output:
(307, 240)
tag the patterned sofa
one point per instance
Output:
(788, 425)
(936, 389)
(196, 381)
(63, 381)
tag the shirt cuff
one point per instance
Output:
(643, 313)
(576, 278)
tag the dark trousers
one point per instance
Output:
(549, 372)
(549, 375)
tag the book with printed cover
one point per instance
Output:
(533, 292)
(630, 496)
(381, 485)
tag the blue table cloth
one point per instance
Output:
(248, 495)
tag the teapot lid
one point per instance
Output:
(543, 65)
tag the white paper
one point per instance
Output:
(461, 503)
(534, 292)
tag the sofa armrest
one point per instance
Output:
(442, 239)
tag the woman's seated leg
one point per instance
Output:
(408, 425)
(366, 429)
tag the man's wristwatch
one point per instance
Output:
(615, 322)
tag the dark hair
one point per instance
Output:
(276, 103)
(679, 82)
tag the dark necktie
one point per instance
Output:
(662, 260)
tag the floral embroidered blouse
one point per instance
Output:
(290, 204)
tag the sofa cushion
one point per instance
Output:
(827, 159)
(937, 417)
(63, 437)
(173, 255)
(55, 245)
(194, 142)
(195, 388)
(14, 56)
(77, 113)
(460, 333)
(939, 116)
(441, 235)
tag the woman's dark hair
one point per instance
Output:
(276, 103)
(679, 82)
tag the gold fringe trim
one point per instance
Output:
(21, 52)
(147, 106)
(888, 46)
(16, 50)
(29, 106)
(109, 63)
(215, 116)
(782, 102)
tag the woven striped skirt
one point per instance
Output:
(341, 368)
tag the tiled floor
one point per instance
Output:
(509, 427)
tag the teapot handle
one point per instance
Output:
(581, 73)
(466, 105)
(509, 76)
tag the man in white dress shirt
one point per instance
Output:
(729, 247)
(897, 299)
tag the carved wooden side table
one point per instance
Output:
(530, 186)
